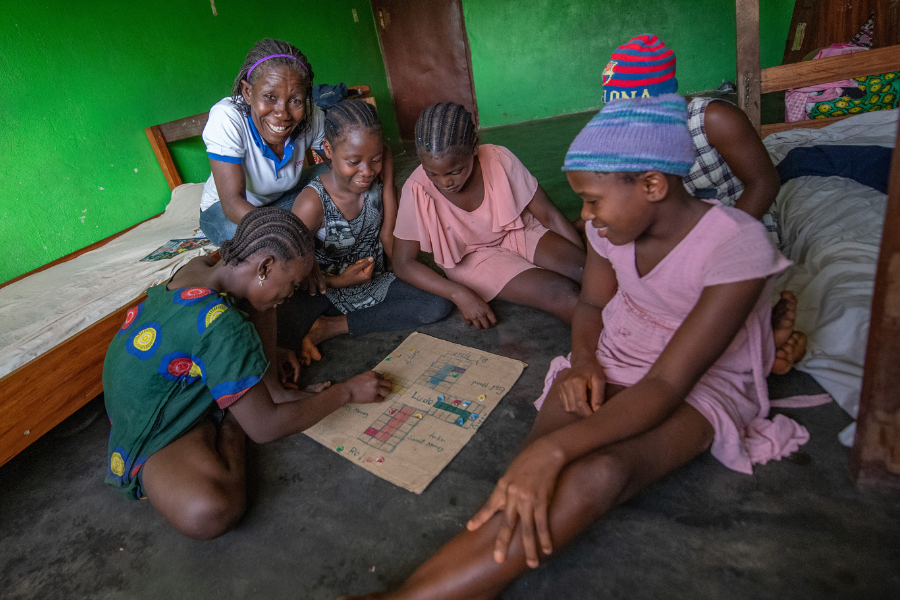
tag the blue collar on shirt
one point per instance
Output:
(267, 152)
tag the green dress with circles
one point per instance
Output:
(177, 355)
(881, 92)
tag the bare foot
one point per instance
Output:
(784, 314)
(308, 351)
(317, 387)
(322, 329)
(790, 345)
(790, 353)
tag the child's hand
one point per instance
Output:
(359, 272)
(315, 281)
(288, 368)
(581, 387)
(475, 311)
(524, 493)
(367, 388)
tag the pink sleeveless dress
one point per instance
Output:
(727, 245)
(485, 248)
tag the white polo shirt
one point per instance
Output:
(232, 137)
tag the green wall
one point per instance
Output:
(83, 80)
(550, 55)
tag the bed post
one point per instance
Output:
(748, 67)
(875, 459)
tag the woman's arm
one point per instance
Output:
(475, 310)
(389, 202)
(265, 420)
(733, 136)
(269, 411)
(232, 189)
(546, 212)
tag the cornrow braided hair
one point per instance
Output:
(445, 127)
(350, 114)
(275, 229)
(265, 48)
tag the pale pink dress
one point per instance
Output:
(485, 248)
(727, 245)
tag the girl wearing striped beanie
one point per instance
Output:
(731, 163)
(670, 349)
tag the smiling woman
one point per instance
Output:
(257, 138)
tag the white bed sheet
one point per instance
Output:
(831, 229)
(49, 307)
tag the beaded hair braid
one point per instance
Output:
(275, 229)
(265, 48)
(349, 114)
(445, 127)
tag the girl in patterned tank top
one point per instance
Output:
(352, 210)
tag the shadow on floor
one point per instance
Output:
(317, 525)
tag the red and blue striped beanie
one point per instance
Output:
(641, 67)
(643, 134)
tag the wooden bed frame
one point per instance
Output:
(45, 391)
(875, 457)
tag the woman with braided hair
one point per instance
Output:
(202, 343)
(256, 139)
(491, 227)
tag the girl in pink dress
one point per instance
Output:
(670, 347)
(491, 227)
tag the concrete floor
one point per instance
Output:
(319, 527)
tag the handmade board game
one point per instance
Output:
(442, 393)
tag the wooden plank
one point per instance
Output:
(748, 71)
(810, 124)
(158, 143)
(184, 128)
(42, 393)
(833, 68)
(875, 459)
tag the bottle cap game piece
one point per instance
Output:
(418, 415)
(474, 416)
(379, 460)
(440, 398)
(481, 397)
(466, 403)
(460, 421)
(339, 448)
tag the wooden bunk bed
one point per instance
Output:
(40, 394)
(876, 451)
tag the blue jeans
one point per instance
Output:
(218, 228)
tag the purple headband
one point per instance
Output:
(264, 58)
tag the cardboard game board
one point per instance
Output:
(442, 393)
